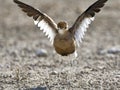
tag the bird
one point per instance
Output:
(64, 39)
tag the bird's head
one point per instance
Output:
(62, 25)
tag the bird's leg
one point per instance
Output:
(73, 58)
(67, 60)
(76, 54)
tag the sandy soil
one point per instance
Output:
(94, 69)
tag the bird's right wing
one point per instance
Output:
(83, 21)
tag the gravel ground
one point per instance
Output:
(96, 68)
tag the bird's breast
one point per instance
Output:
(64, 44)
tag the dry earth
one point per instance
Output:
(94, 69)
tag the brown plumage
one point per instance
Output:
(63, 39)
(64, 44)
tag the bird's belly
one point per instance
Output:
(64, 47)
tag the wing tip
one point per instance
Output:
(16, 1)
(95, 7)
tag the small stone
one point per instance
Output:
(41, 53)
(114, 50)
(54, 73)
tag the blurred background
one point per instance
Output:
(21, 66)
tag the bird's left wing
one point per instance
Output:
(83, 21)
(42, 20)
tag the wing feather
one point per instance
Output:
(82, 23)
(43, 21)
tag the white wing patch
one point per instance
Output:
(80, 32)
(46, 29)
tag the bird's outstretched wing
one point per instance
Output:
(42, 20)
(83, 21)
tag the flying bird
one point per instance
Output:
(64, 39)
